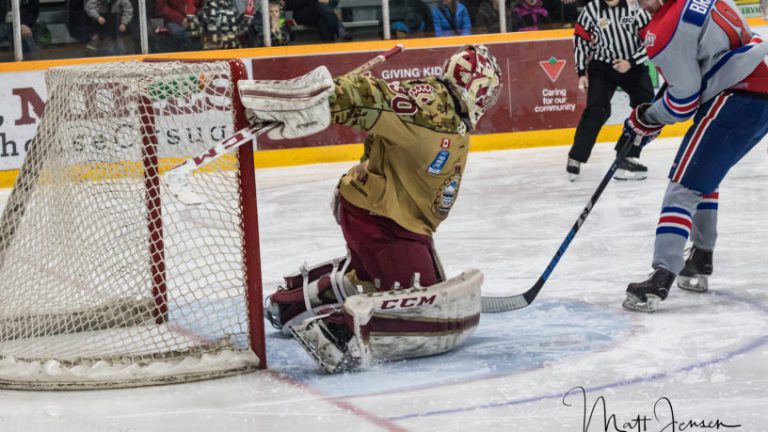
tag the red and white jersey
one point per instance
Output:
(702, 47)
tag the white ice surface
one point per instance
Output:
(707, 353)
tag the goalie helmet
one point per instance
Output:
(474, 78)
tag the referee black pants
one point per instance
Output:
(603, 80)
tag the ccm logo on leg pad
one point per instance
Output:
(407, 302)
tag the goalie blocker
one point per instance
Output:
(299, 106)
(364, 328)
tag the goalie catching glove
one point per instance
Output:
(299, 105)
(640, 131)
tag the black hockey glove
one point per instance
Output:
(639, 131)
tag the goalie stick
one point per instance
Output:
(177, 178)
(519, 301)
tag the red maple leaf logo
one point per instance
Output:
(553, 67)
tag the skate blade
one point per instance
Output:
(572, 177)
(630, 175)
(635, 304)
(698, 283)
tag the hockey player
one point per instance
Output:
(389, 297)
(716, 71)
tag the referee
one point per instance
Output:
(609, 53)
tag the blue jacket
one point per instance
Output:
(447, 25)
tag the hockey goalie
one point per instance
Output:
(389, 297)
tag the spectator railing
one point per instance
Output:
(371, 18)
(16, 11)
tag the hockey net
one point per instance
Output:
(106, 280)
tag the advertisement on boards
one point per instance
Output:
(22, 101)
(539, 85)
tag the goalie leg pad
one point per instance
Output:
(394, 324)
(420, 322)
(300, 105)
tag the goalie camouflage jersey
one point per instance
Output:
(415, 152)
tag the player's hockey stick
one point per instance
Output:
(519, 301)
(177, 178)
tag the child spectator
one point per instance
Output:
(409, 17)
(112, 18)
(528, 15)
(451, 18)
(278, 27)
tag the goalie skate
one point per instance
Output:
(326, 344)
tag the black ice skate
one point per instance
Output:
(573, 168)
(698, 268)
(631, 169)
(645, 296)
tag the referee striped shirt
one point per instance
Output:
(605, 33)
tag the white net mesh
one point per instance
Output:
(105, 278)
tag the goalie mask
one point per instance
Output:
(474, 78)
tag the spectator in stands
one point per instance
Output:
(528, 15)
(246, 9)
(399, 30)
(317, 13)
(181, 22)
(280, 30)
(409, 17)
(111, 18)
(451, 18)
(29, 11)
(487, 19)
(247, 14)
(278, 27)
(221, 25)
